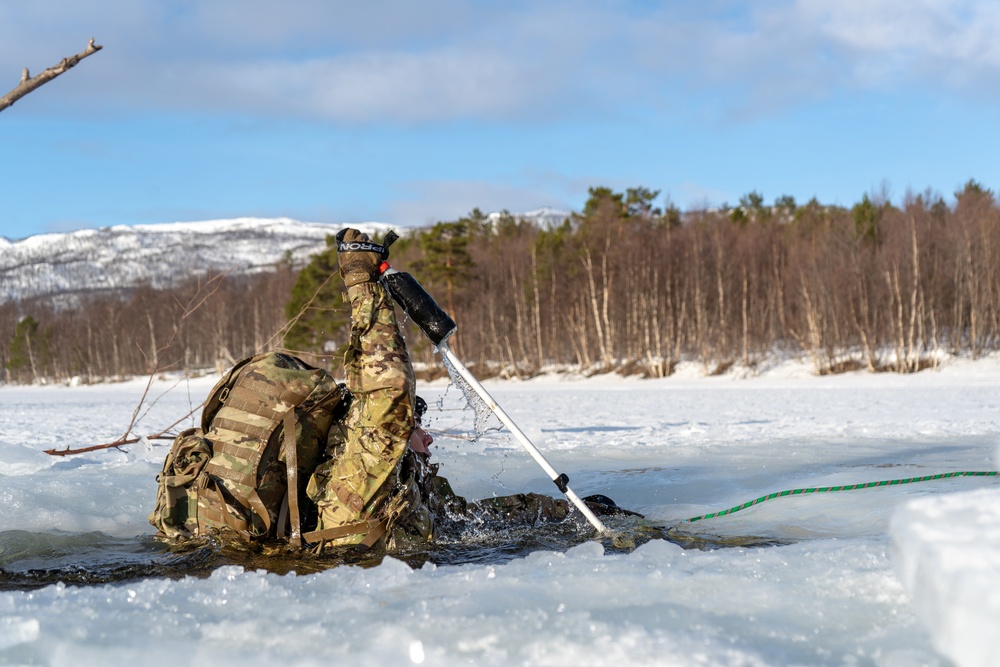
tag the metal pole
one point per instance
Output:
(521, 437)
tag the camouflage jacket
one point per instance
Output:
(358, 491)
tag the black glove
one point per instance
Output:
(359, 258)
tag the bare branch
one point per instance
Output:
(204, 291)
(196, 301)
(124, 440)
(29, 83)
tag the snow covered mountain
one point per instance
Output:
(122, 256)
(109, 258)
(544, 217)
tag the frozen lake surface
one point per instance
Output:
(903, 575)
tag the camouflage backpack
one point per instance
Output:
(176, 513)
(264, 427)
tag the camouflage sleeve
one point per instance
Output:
(380, 378)
(376, 359)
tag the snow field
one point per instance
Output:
(896, 576)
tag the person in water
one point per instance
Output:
(374, 484)
(371, 474)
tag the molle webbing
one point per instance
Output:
(249, 393)
(245, 487)
(250, 406)
(232, 475)
(233, 449)
(257, 432)
(254, 409)
(242, 398)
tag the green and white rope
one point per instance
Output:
(846, 487)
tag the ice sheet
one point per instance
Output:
(832, 588)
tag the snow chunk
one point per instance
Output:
(16, 630)
(948, 557)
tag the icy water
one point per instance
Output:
(32, 560)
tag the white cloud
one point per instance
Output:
(900, 43)
(443, 60)
(367, 87)
(426, 202)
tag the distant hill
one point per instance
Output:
(119, 257)
(112, 258)
(543, 217)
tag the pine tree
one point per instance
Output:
(603, 201)
(866, 217)
(751, 209)
(639, 203)
(30, 348)
(446, 261)
(318, 308)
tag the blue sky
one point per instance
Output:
(412, 112)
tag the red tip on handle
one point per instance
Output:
(383, 267)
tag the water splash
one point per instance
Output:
(483, 412)
(483, 415)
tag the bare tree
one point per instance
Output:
(29, 83)
(607, 292)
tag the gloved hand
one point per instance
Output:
(359, 258)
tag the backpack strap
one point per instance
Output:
(216, 509)
(249, 398)
(375, 528)
(252, 500)
(279, 528)
(292, 477)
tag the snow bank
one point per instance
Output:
(819, 603)
(948, 557)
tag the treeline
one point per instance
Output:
(204, 323)
(625, 286)
(620, 286)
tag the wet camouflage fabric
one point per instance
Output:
(177, 495)
(363, 482)
(248, 466)
(434, 507)
(233, 476)
(416, 517)
(524, 509)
